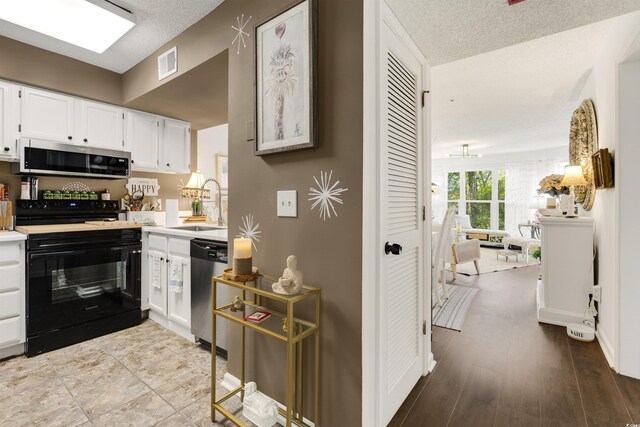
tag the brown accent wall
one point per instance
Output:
(329, 252)
(23, 63)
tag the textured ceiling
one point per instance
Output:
(157, 22)
(448, 30)
(199, 96)
(518, 98)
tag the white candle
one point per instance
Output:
(241, 248)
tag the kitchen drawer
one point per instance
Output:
(10, 304)
(158, 243)
(11, 275)
(180, 247)
(11, 331)
(10, 252)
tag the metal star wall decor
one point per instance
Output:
(326, 194)
(241, 35)
(250, 230)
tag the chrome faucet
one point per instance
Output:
(220, 219)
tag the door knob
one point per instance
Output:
(394, 249)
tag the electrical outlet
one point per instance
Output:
(596, 291)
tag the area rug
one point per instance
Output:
(490, 264)
(454, 309)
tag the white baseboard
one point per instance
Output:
(172, 326)
(230, 382)
(431, 363)
(607, 349)
(14, 350)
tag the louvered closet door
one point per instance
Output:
(401, 186)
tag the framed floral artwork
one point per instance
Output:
(286, 81)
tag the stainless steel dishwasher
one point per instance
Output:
(208, 259)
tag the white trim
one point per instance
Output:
(370, 218)
(605, 345)
(431, 364)
(231, 382)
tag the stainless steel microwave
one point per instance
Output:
(40, 157)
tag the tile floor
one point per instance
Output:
(142, 376)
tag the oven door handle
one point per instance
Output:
(40, 255)
(51, 254)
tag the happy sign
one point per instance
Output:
(148, 186)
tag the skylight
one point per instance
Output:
(91, 24)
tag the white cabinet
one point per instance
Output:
(567, 270)
(12, 298)
(47, 115)
(9, 121)
(176, 147)
(99, 125)
(168, 306)
(142, 139)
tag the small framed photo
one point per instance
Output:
(222, 170)
(286, 81)
(258, 316)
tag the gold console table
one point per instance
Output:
(282, 326)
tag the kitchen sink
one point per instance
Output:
(197, 228)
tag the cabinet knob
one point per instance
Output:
(132, 162)
(168, 164)
(7, 149)
(161, 258)
(85, 140)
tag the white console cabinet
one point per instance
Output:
(12, 294)
(567, 270)
(168, 308)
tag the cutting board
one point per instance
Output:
(108, 223)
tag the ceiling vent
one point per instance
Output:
(168, 63)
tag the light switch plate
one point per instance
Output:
(288, 204)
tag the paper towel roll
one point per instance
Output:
(171, 207)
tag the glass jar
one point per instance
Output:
(48, 195)
(66, 195)
(57, 195)
(84, 195)
(93, 195)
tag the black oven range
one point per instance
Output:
(80, 284)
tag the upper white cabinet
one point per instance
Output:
(176, 146)
(99, 125)
(47, 115)
(143, 135)
(9, 121)
(157, 144)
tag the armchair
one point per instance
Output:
(463, 252)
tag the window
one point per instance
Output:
(479, 194)
(453, 190)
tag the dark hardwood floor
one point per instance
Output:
(506, 369)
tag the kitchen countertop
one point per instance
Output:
(63, 228)
(11, 236)
(215, 233)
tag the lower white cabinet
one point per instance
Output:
(12, 298)
(567, 270)
(168, 258)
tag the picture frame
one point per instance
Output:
(222, 170)
(285, 86)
